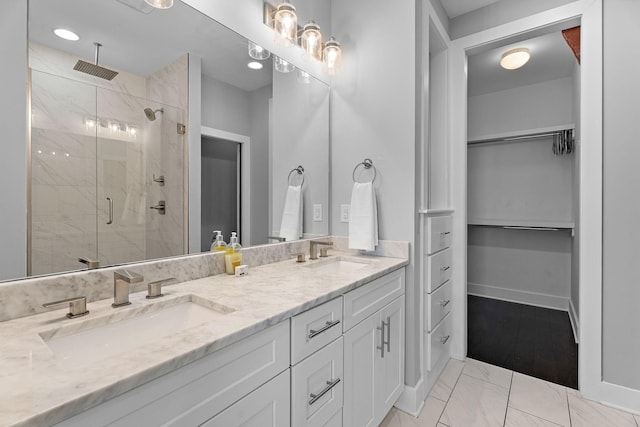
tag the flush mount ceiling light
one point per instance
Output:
(515, 58)
(311, 41)
(258, 52)
(160, 4)
(332, 56)
(285, 25)
(66, 34)
(254, 65)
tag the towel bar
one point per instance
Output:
(367, 164)
(300, 171)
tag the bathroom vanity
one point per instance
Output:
(319, 343)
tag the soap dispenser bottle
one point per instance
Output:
(218, 243)
(233, 257)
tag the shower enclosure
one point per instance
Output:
(106, 181)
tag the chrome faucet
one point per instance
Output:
(313, 247)
(121, 281)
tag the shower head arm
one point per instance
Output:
(97, 45)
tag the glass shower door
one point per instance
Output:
(62, 184)
(140, 179)
(101, 171)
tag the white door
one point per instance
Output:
(391, 369)
(360, 361)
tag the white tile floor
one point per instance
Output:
(475, 394)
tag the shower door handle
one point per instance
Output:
(110, 211)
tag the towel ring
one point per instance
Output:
(367, 164)
(300, 171)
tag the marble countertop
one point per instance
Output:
(38, 388)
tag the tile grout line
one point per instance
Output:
(450, 394)
(508, 397)
(568, 408)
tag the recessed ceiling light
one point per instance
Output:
(66, 34)
(254, 65)
(515, 58)
(160, 4)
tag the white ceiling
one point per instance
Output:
(142, 42)
(551, 59)
(460, 7)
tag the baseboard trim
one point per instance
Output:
(575, 322)
(522, 297)
(616, 396)
(411, 400)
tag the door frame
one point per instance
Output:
(245, 176)
(590, 230)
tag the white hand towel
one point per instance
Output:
(291, 225)
(363, 221)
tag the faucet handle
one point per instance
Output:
(324, 251)
(77, 306)
(154, 289)
(300, 257)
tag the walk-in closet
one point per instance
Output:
(522, 206)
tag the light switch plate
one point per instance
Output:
(344, 213)
(317, 212)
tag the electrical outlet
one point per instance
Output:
(345, 211)
(317, 212)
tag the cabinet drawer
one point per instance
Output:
(317, 386)
(313, 329)
(268, 406)
(366, 300)
(194, 393)
(438, 233)
(438, 269)
(438, 342)
(439, 305)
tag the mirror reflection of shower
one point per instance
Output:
(151, 114)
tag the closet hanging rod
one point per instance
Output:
(516, 138)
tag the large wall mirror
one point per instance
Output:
(111, 162)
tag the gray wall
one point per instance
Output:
(259, 114)
(13, 162)
(224, 106)
(373, 115)
(300, 137)
(575, 259)
(499, 13)
(621, 234)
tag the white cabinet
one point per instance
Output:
(194, 393)
(268, 406)
(317, 387)
(436, 271)
(374, 365)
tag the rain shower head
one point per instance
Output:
(151, 114)
(95, 69)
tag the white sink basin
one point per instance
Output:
(100, 338)
(339, 265)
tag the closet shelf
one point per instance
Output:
(524, 223)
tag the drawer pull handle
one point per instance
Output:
(382, 342)
(327, 325)
(445, 268)
(330, 385)
(443, 340)
(444, 233)
(445, 303)
(388, 341)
